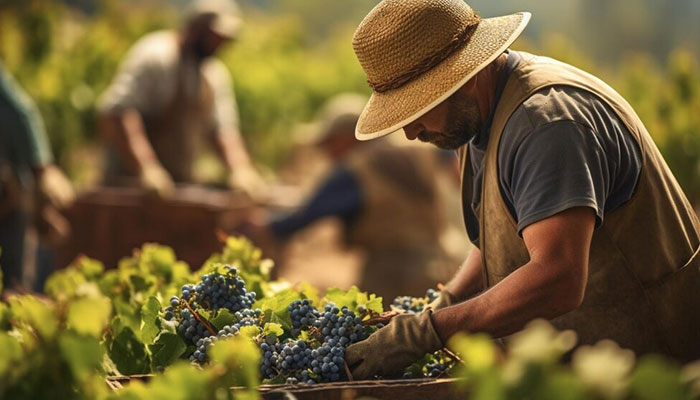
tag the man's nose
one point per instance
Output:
(412, 130)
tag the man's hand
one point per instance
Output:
(55, 187)
(444, 300)
(388, 351)
(248, 180)
(156, 180)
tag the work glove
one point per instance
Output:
(407, 338)
(444, 300)
(54, 187)
(156, 180)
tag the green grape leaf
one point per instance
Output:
(277, 305)
(11, 351)
(179, 382)
(657, 378)
(4, 316)
(89, 316)
(241, 357)
(167, 348)
(223, 318)
(150, 320)
(83, 354)
(129, 354)
(354, 298)
(309, 292)
(272, 328)
(40, 316)
(249, 331)
(477, 351)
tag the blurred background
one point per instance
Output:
(291, 57)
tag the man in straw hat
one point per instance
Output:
(574, 213)
(169, 93)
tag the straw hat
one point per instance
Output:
(222, 16)
(416, 53)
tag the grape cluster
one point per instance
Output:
(221, 291)
(190, 328)
(200, 355)
(437, 369)
(415, 305)
(303, 315)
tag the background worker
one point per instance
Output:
(575, 213)
(33, 190)
(170, 93)
(388, 200)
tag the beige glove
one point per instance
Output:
(55, 187)
(444, 300)
(156, 180)
(388, 351)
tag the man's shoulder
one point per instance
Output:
(216, 72)
(155, 48)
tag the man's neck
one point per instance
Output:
(486, 85)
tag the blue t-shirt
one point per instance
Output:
(576, 152)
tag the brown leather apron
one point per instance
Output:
(175, 133)
(643, 288)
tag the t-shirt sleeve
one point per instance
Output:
(135, 83)
(339, 195)
(225, 117)
(557, 166)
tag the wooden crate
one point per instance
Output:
(399, 389)
(109, 223)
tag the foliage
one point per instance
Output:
(532, 367)
(100, 322)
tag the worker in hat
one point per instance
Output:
(169, 93)
(576, 216)
(33, 190)
(387, 198)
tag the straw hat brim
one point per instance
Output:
(390, 111)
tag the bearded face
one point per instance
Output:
(463, 122)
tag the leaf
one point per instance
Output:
(249, 331)
(309, 292)
(83, 354)
(354, 298)
(129, 354)
(222, 319)
(41, 317)
(11, 351)
(277, 306)
(241, 358)
(167, 348)
(89, 316)
(150, 320)
(657, 378)
(272, 329)
(477, 351)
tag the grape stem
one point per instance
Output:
(453, 355)
(200, 319)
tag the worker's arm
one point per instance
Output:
(241, 171)
(468, 279)
(552, 283)
(125, 130)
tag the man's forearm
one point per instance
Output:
(232, 150)
(532, 291)
(468, 279)
(126, 130)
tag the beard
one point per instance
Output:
(463, 123)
